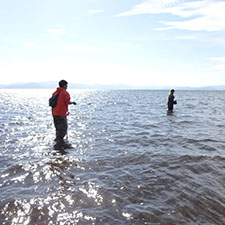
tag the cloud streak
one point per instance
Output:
(204, 15)
(58, 33)
(95, 11)
(220, 63)
(150, 7)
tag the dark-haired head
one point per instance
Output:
(62, 83)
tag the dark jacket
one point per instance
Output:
(171, 101)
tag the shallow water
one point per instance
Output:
(131, 163)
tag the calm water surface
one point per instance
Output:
(131, 163)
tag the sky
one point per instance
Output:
(113, 42)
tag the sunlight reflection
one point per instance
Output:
(81, 125)
(69, 199)
(92, 192)
(23, 213)
(74, 218)
(127, 215)
(20, 178)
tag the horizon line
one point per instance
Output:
(52, 84)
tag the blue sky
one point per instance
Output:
(133, 42)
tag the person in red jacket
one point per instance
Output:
(60, 113)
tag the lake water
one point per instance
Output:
(131, 163)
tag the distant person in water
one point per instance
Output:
(171, 101)
(60, 113)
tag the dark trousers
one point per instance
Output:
(61, 126)
(170, 106)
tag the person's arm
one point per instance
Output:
(67, 98)
(174, 101)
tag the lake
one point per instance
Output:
(131, 163)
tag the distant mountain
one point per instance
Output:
(207, 88)
(41, 85)
(54, 84)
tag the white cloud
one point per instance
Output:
(220, 63)
(85, 49)
(30, 44)
(209, 15)
(150, 7)
(4, 48)
(95, 11)
(58, 32)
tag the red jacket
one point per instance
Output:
(61, 108)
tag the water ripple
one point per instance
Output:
(131, 163)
